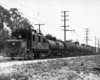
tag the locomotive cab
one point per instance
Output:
(39, 42)
(23, 34)
(39, 45)
(19, 44)
(26, 43)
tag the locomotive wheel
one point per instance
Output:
(12, 58)
(31, 55)
(25, 56)
(51, 55)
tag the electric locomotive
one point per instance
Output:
(26, 44)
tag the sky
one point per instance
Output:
(82, 14)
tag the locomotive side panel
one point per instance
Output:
(39, 43)
(2, 44)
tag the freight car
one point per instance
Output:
(28, 44)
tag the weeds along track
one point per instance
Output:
(57, 68)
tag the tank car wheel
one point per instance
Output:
(63, 55)
(12, 58)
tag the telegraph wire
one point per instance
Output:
(20, 12)
(25, 6)
(39, 20)
(34, 18)
(40, 13)
(76, 34)
(47, 23)
(4, 5)
(43, 22)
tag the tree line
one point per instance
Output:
(12, 19)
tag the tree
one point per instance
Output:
(69, 41)
(49, 36)
(13, 19)
(4, 35)
(59, 40)
(83, 44)
(17, 20)
(4, 17)
(76, 42)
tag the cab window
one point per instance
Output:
(43, 40)
(33, 37)
(39, 39)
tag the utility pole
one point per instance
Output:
(96, 50)
(95, 41)
(98, 43)
(87, 38)
(39, 26)
(65, 24)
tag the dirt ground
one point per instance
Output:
(80, 68)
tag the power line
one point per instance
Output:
(39, 20)
(76, 35)
(44, 15)
(34, 18)
(39, 13)
(4, 5)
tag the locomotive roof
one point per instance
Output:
(20, 30)
(37, 34)
(33, 32)
(12, 40)
(25, 30)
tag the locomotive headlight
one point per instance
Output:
(13, 43)
(23, 44)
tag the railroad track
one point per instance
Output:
(7, 62)
(8, 59)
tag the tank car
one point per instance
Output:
(69, 48)
(56, 48)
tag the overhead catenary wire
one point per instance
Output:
(39, 20)
(39, 13)
(4, 5)
(35, 18)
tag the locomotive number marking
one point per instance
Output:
(39, 44)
